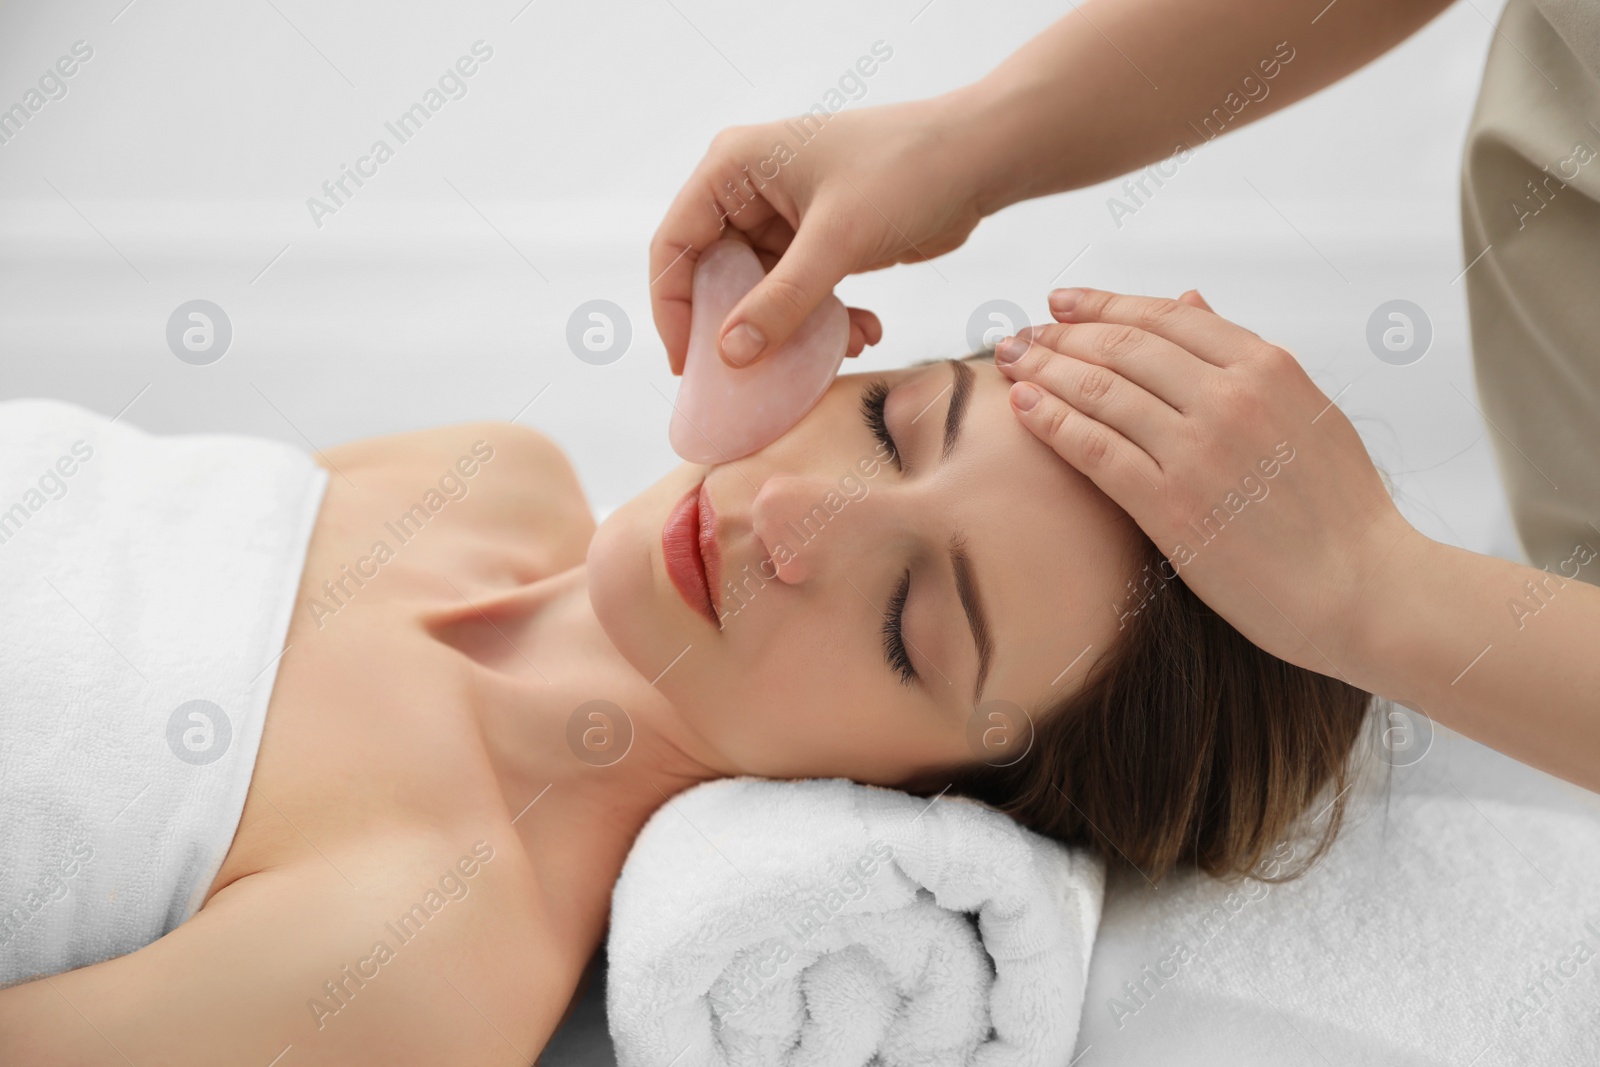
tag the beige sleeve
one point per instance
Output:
(1530, 205)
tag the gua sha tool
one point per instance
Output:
(723, 412)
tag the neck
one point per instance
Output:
(584, 747)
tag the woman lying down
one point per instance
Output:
(835, 605)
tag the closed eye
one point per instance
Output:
(873, 400)
(894, 643)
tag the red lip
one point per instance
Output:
(689, 549)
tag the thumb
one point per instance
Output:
(816, 260)
(1194, 299)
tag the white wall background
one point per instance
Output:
(179, 163)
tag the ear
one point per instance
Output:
(1194, 299)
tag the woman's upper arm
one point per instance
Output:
(268, 967)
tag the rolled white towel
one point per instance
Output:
(826, 923)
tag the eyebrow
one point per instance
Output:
(960, 395)
(960, 561)
(967, 590)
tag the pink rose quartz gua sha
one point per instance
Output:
(723, 413)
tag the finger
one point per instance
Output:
(864, 330)
(769, 240)
(1194, 299)
(1156, 365)
(855, 343)
(1122, 470)
(869, 324)
(1207, 335)
(1095, 390)
(672, 262)
(697, 218)
(823, 251)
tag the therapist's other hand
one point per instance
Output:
(1251, 482)
(870, 189)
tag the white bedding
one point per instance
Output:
(1414, 941)
(1451, 889)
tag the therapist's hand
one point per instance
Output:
(1244, 474)
(871, 188)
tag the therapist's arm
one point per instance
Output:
(1106, 89)
(1118, 84)
(1503, 653)
(1261, 494)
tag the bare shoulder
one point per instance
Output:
(501, 477)
(462, 446)
(423, 954)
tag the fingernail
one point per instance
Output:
(742, 344)
(1009, 350)
(1064, 300)
(1025, 395)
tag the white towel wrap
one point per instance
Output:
(826, 923)
(146, 585)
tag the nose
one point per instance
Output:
(792, 515)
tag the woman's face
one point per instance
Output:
(875, 582)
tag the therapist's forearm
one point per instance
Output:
(1503, 653)
(1118, 84)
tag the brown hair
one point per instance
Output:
(1186, 745)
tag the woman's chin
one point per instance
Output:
(620, 570)
(636, 606)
